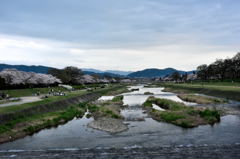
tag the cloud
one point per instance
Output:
(59, 54)
(126, 34)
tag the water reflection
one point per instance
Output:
(106, 98)
(138, 97)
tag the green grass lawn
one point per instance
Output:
(31, 91)
(44, 101)
(218, 83)
(9, 101)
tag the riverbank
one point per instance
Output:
(213, 95)
(31, 91)
(20, 122)
(22, 127)
(227, 92)
(201, 99)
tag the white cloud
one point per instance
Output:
(32, 51)
(13, 43)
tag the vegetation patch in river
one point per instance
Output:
(118, 98)
(122, 89)
(148, 93)
(107, 115)
(180, 114)
(134, 89)
(201, 99)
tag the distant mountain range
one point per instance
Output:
(147, 73)
(154, 72)
(44, 69)
(122, 73)
(36, 69)
(103, 74)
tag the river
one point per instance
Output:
(143, 131)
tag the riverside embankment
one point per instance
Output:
(17, 123)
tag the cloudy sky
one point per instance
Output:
(118, 34)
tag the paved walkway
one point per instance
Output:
(23, 100)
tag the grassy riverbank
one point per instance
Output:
(21, 127)
(46, 90)
(201, 99)
(23, 124)
(31, 91)
(218, 90)
(50, 99)
(104, 91)
(179, 114)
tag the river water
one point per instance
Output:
(143, 131)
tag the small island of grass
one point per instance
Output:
(148, 93)
(134, 89)
(180, 114)
(107, 115)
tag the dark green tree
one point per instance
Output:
(202, 72)
(68, 75)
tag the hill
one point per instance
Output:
(115, 72)
(44, 70)
(103, 74)
(147, 73)
(123, 73)
(154, 72)
(35, 69)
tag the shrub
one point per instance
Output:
(210, 115)
(117, 98)
(170, 116)
(185, 124)
(148, 93)
(147, 104)
(93, 108)
(116, 116)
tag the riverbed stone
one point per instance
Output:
(108, 124)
